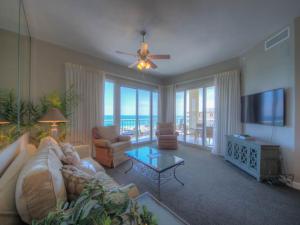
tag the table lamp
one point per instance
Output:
(53, 116)
(3, 122)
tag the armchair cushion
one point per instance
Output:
(123, 138)
(102, 143)
(110, 133)
(165, 128)
(168, 137)
(120, 146)
(165, 131)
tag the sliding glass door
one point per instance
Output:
(180, 115)
(128, 112)
(209, 116)
(134, 110)
(195, 115)
(144, 116)
(154, 114)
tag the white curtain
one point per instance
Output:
(170, 104)
(227, 108)
(88, 84)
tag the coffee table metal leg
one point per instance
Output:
(130, 166)
(175, 174)
(159, 186)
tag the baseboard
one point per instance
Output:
(295, 185)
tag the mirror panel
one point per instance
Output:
(14, 70)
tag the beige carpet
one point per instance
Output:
(216, 192)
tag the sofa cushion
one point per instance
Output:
(106, 181)
(40, 186)
(70, 154)
(110, 133)
(75, 180)
(45, 142)
(90, 166)
(8, 211)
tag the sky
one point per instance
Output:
(210, 100)
(128, 100)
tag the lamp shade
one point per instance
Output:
(3, 122)
(53, 116)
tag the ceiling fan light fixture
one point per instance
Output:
(140, 66)
(148, 66)
(144, 58)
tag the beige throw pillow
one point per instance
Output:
(75, 180)
(110, 133)
(8, 211)
(71, 156)
(40, 186)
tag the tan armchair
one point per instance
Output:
(166, 136)
(110, 145)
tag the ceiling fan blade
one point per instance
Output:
(133, 64)
(126, 53)
(159, 56)
(152, 65)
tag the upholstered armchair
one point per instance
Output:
(166, 136)
(110, 145)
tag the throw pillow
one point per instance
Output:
(71, 156)
(75, 180)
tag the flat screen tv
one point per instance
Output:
(266, 108)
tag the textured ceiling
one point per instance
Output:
(196, 33)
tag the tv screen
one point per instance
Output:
(264, 108)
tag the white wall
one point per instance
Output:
(227, 65)
(296, 156)
(264, 70)
(48, 67)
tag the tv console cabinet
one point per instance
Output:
(259, 159)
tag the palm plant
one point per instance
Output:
(96, 206)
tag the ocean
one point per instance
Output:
(129, 121)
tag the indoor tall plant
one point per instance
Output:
(96, 206)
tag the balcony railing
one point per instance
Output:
(128, 127)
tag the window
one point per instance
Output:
(195, 109)
(128, 113)
(144, 115)
(109, 103)
(136, 117)
(180, 123)
(209, 115)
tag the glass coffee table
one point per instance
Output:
(157, 165)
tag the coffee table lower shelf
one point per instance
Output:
(158, 177)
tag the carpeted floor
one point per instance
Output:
(216, 192)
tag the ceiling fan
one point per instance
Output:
(144, 57)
